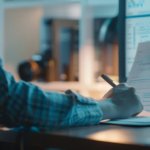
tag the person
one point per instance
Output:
(24, 104)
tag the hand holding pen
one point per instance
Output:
(120, 102)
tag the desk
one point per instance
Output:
(90, 137)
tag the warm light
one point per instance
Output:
(51, 63)
(105, 120)
(86, 69)
(113, 135)
(34, 66)
(63, 76)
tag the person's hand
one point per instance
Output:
(120, 102)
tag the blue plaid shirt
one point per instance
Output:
(24, 104)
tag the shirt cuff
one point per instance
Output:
(86, 109)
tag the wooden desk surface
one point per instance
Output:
(91, 137)
(97, 137)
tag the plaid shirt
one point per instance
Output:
(24, 104)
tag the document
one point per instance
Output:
(139, 78)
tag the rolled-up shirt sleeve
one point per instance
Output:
(25, 104)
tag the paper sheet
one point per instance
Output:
(139, 76)
(143, 119)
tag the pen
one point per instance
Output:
(108, 80)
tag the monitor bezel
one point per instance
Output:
(121, 35)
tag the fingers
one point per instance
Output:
(132, 89)
(135, 114)
(139, 107)
(120, 87)
(123, 87)
(108, 94)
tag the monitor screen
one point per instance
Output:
(137, 28)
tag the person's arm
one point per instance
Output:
(24, 104)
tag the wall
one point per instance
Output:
(21, 35)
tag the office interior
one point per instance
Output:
(60, 45)
(67, 44)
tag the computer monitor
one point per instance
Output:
(134, 28)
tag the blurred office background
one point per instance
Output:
(61, 45)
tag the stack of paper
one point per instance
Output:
(142, 119)
(135, 121)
